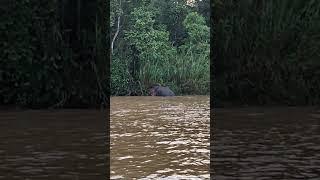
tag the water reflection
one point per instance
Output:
(269, 143)
(160, 138)
(64, 144)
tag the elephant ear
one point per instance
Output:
(156, 88)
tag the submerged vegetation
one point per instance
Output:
(266, 52)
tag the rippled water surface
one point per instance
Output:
(160, 137)
(64, 144)
(268, 143)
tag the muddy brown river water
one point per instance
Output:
(160, 137)
(58, 144)
(266, 143)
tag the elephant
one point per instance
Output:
(158, 90)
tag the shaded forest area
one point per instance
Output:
(266, 52)
(166, 42)
(54, 53)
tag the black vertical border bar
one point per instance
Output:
(103, 20)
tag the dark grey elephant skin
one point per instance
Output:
(161, 91)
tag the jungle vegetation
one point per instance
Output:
(166, 42)
(54, 53)
(59, 53)
(266, 52)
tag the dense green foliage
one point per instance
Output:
(164, 42)
(52, 53)
(266, 52)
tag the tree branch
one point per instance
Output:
(117, 32)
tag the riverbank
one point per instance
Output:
(19, 109)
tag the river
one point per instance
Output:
(160, 137)
(53, 144)
(266, 143)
